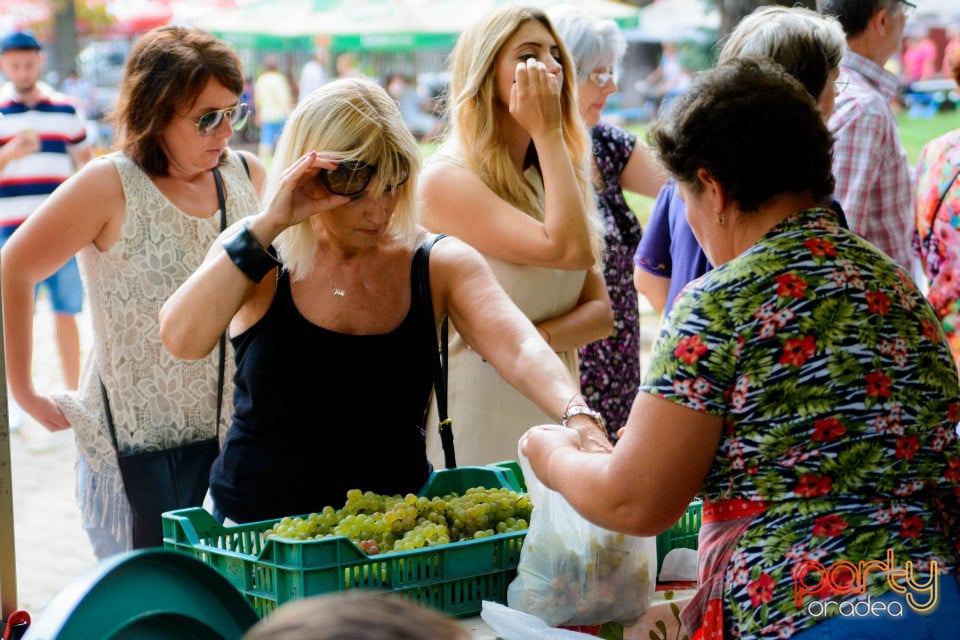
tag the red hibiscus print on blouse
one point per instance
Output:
(829, 526)
(827, 430)
(878, 384)
(761, 590)
(690, 349)
(930, 329)
(953, 473)
(797, 350)
(878, 302)
(811, 486)
(821, 247)
(911, 527)
(907, 447)
(790, 286)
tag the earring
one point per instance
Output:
(721, 219)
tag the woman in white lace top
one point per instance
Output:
(140, 220)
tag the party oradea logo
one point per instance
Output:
(827, 586)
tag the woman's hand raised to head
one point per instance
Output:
(535, 98)
(300, 195)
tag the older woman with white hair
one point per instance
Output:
(610, 368)
(333, 353)
(809, 46)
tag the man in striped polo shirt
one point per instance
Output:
(42, 141)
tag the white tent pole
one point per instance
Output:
(8, 557)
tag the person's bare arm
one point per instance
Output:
(498, 331)
(643, 173)
(52, 235)
(654, 288)
(649, 479)
(590, 320)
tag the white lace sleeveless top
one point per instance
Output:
(156, 400)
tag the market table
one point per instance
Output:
(661, 618)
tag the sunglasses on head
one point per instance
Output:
(351, 178)
(236, 115)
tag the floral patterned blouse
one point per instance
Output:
(937, 240)
(840, 399)
(610, 368)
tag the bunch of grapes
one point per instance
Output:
(380, 524)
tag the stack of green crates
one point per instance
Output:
(683, 534)
(455, 578)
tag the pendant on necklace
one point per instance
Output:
(338, 292)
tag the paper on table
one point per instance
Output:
(511, 624)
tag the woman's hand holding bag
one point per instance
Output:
(572, 572)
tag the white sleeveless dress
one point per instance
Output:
(489, 416)
(156, 400)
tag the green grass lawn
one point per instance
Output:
(914, 133)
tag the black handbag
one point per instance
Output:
(439, 358)
(175, 478)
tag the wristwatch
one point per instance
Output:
(584, 410)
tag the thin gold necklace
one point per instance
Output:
(334, 289)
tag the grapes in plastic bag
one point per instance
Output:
(573, 572)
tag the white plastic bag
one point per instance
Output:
(511, 624)
(572, 572)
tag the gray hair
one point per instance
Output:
(593, 42)
(808, 45)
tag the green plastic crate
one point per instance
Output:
(454, 578)
(684, 534)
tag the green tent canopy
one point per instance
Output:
(376, 25)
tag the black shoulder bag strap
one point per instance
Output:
(221, 200)
(422, 258)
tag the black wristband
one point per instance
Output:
(249, 256)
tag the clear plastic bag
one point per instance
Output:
(572, 572)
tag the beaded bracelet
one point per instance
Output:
(249, 255)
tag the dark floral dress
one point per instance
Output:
(840, 400)
(610, 368)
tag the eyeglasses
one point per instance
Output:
(840, 84)
(236, 115)
(908, 7)
(351, 178)
(603, 78)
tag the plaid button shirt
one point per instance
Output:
(869, 162)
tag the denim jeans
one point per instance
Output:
(943, 623)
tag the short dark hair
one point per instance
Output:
(854, 15)
(166, 71)
(753, 127)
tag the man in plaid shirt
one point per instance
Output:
(870, 164)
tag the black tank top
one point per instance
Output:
(333, 412)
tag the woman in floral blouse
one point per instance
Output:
(937, 207)
(803, 388)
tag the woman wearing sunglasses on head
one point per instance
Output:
(512, 179)
(140, 219)
(321, 302)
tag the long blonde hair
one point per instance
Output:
(356, 119)
(475, 136)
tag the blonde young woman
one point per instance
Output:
(512, 180)
(332, 352)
